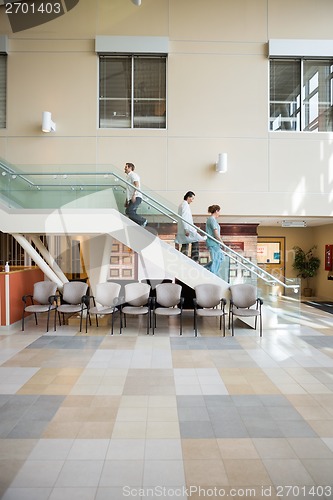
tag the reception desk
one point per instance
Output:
(17, 282)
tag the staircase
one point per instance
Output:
(91, 203)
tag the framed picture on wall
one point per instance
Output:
(328, 257)
(269, 252)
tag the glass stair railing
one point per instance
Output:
(60, 188)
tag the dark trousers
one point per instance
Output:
(194, 250)
(131, 211)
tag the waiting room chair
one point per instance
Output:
(74, 300)
(245, 303)
(106, 301)
(137, 302)
(208, 302)
(168, 302)
(43, 300)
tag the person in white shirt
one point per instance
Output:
(133, 196)
(187, 234)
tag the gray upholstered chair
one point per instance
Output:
(245, 303)
(168, 302)
(137, 302)
(208, 302)
(43, 300)
(74, 300)
(106, 301)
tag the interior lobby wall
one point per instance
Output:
(218, 93)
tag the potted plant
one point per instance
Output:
(307, 265)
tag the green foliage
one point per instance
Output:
(306, 263)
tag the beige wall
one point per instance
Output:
(306, 238)
(218, 86)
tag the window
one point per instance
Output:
(132, 91)
(301, 93)
(3, 88)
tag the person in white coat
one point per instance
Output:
(186, 234)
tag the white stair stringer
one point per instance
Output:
(109, 221)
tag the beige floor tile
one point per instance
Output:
(237, 448)
(32, 389)
(8, 471)
(71, 414)
(129, 430)
(265, 388)
(84, 390)
(199, 449)
(313, 413)
(324, 428)
(132, 415)
(93, 430)
(163, 430)
(134, 401)
(239, 389)
(16, 449)
(105, 401)
(58, 390)
(101, 414)
(162, 401)
(182, 363)
(301, 400)
(162, 415)
(168, 390)
(250, 472)
(205, 472)
(62, 430)
(109, 390)
(77, 401)
(232, 376)
(291, 389)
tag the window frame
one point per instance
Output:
(302, 112)
(3, 90)
(303, 51)
(133, 57)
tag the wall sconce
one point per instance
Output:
(136, 2)
(222, 163)
(47, 124)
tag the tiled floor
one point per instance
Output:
(100, 417)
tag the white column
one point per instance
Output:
(38, 259)
(48, 258)
(7, 299)
(97, 251)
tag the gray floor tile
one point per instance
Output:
(196, 430)
(193, 414)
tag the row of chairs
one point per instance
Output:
(244, 303)
(136, 299)
(46, 298)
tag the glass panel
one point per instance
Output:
(149, 92)
(115, 92)
(317, 84)
(285, 89)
